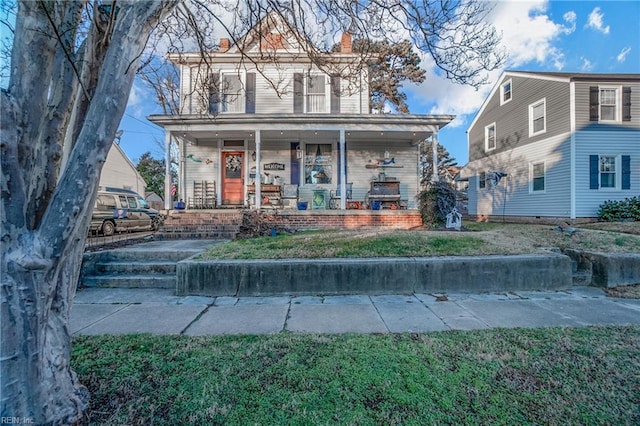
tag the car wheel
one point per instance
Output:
(108, 228)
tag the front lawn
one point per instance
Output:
(503, 376)
(483, 239)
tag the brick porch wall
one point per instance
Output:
(352, 219)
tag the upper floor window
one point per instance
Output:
(537, 172)
(538, 117)
(232, 93)
(490, 137)
(316, 93)
(505, 92)
(311, 94)
(609, 103)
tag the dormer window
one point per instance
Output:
(505, 92)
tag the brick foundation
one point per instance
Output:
(216, 223)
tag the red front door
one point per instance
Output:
(233, 178)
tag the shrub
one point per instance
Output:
(436, 202)
(627, 209)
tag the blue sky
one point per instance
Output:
(567, 36)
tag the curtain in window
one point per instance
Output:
(318, 167)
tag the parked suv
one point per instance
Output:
(121, 210)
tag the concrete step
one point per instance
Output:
(130, 267)
(132, 255)
(131, 281)
(581, 277)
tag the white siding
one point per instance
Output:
(119, 172)
(512, 196)
(604, 143)
(201, 171)
(274, 88)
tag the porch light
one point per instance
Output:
(298, 152)
(253, 156)
(387, 155)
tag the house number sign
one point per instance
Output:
(274, 166)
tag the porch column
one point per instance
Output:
(182, 169)
(343, 172)
(258, 179)
(167, 171)
(434, 149)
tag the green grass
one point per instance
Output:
(537, 376)
(345, 244)
(483, 239)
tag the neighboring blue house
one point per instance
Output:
(554, 145)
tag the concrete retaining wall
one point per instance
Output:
(373, 276)
(608, 269)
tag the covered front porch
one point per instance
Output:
(298, 162)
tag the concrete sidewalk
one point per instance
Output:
(156, 311)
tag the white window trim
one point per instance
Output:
(618, 110)
(486, 137)
(486, 186)
(618, 178)
(243, 87)
(327, 93)
(531, 177)
(542, 101)
(510, 83)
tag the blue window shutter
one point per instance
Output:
(250, 98)
(594, 172)
(594, 103)
(626, 172)
(295, 164)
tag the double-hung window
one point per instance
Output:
(490, 137)
(608, 104)
(316, 93)
(608, 171)
(538, 117)
(505, 92)
(537, 181)
(232, 93)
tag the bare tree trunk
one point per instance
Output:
(44, 226)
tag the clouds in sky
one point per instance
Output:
(595, 21)
(528, 35)
(622, 56)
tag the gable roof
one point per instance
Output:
(566, 77)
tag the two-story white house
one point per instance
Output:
(261, 120)
(554, 145)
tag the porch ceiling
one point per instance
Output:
(201, 129)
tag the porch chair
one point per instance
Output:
(334, 202)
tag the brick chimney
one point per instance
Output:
(345, 43)
(224, 45)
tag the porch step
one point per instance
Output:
(131, 280)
